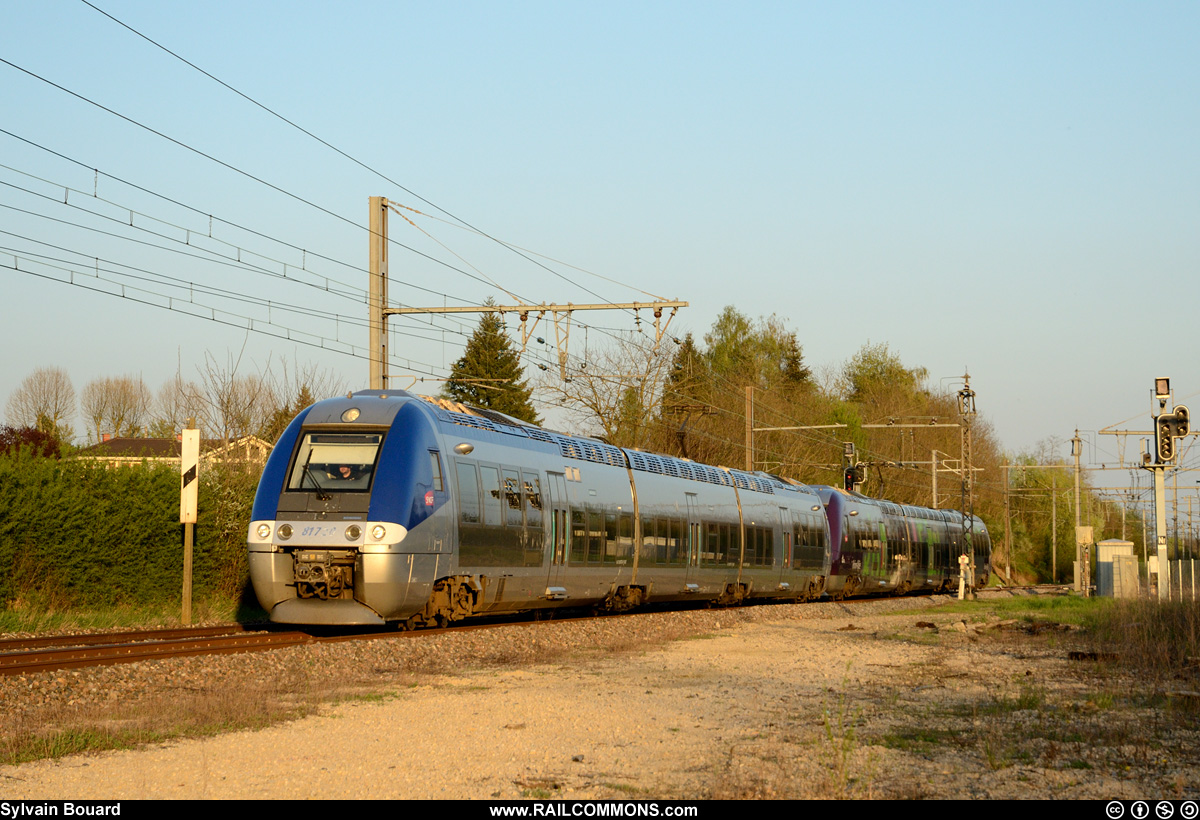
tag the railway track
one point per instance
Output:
(48, 653)
(42, 654)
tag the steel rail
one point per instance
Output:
(42, 660)
(48, 653)
(130, 636)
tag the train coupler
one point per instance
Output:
(323, 574)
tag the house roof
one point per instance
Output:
(160, 448)
(133, 448)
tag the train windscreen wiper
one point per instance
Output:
(322, 495)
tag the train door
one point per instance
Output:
(885, 562)
(785, 529)
(559, 539)
(902, 550)
(694, 539)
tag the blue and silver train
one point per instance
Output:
(883, 547)
(385, 506)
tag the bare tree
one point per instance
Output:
(295, 388)
(231, 405)
(177, 401)
(45, 400)
(618, 390)
(318, 383)
(227, 404)
(119, 405)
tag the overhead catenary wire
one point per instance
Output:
(306, 252)
(268, 184)
(352, 291)
(339, 151)
(77, 162)
(463, 227)
(263, 182)
(208, 312)
(231, 167)
(235, 263)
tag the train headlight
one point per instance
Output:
(264, 531)
(353, 532)
(378, 532)
(285, 532)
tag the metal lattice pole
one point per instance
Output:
(966, 410)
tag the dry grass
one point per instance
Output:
(207, 706)
(1119, 717)
(46, 614)
(1128, 713)
(1159, 640)
(59, 729)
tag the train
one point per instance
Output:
(384, 507)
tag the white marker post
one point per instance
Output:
(189, 496)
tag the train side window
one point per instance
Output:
(811, 546)
(468, 493)
(662, 553)
(717, 548)
(595, 536)
(625, 539)
(533, 499)
(610, 538)
(650, 550)
(579, 538)
(512, 497)
(677, 544)
(436, 464)
(512, 491)
(767, 540)
(533, 492)
(491, 496)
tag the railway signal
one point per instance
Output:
(1167, 428)
(1166, 444)
(855, 473)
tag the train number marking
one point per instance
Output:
(317, 532)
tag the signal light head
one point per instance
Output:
(1164, 440)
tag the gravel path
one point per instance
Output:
(821, 700)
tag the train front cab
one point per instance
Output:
(350, 522)
(869, 555)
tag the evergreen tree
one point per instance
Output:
(283, 415)
(688, 380)
(489, 374)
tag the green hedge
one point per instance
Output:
(83, 535)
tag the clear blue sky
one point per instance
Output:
(1012, 188)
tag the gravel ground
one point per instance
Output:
(871, 699)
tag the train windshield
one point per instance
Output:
(335, 462)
